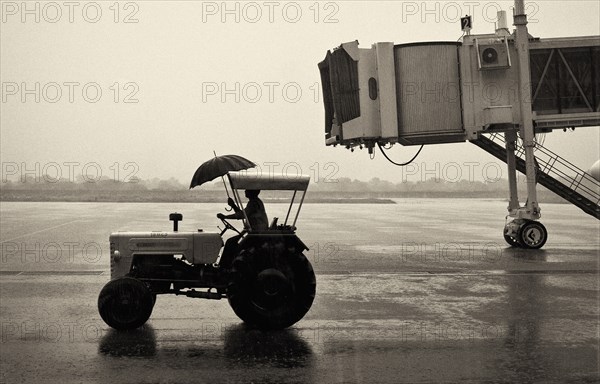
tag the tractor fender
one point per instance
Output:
(289, 240)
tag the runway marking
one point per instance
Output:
(61, 273)
(51, 273)
(461, 273)
(40, 231)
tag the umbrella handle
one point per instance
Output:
(228, 209)
(225, 185)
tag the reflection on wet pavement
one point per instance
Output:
(280, 349)
(242, 345)
(136, 343)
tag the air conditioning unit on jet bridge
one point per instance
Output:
(354, 116)
(493, 55)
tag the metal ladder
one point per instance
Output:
(553, 172)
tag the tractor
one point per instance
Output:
(265, 276)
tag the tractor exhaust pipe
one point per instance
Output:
(175, 218)
(201, 295)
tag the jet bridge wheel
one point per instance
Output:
(125, 303)
(532, 235)
(271, 288)
(512, 241)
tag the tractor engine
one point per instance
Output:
(161, 254)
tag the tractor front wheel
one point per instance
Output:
(270, 287)
(125, 303)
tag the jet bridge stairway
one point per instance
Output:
(553, 172)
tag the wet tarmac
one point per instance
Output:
(403, 296)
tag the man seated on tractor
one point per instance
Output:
(255, 211)
(257, 218)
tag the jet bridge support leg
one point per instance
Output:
(510, 137)
(524, 230)
(511, 230)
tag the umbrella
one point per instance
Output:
(219, 166)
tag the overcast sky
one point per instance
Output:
(164, 68)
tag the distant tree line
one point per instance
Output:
(343, 184)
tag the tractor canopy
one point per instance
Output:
(243, 181)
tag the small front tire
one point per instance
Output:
(125, 303)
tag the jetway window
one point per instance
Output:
(565, 80)
(373, 88)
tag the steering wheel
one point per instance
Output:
(228, 225)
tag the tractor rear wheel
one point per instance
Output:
(125, 303)
(270, 287)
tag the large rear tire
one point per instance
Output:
(125, 303)
(271, 288)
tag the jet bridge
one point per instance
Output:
(443, 92)
(508, 85)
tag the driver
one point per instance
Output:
(255, 211)
(257, 218)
